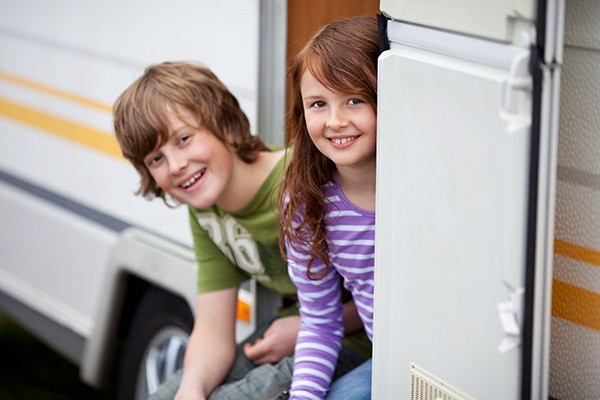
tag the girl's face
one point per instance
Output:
(342, 126)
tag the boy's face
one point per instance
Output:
(193, 166)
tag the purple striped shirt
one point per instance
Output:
(351, 241)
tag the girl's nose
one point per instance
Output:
(337, 119)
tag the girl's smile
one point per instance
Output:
(343, 126)
(342, 142)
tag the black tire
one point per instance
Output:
(161, 322)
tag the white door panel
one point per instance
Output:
(453, 142)
(467, 140)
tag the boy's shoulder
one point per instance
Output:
(270, 167)
(263, 199)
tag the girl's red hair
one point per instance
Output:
(342, 56)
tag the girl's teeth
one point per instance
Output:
(342, 141)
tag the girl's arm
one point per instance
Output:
(321, 327)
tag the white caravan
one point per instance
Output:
(488, 249)
(84, 264)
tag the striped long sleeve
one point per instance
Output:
(351, 242)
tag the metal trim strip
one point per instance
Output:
(82, 210)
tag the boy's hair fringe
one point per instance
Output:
(141, 122)
(342, 56)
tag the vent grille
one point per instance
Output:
(424, 386)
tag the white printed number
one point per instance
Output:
(233, 240)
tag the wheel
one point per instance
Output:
(155, 344)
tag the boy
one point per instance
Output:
(189, 140)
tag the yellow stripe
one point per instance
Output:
(55, 92)
(575, 304)
(577, 252)
(78, 133)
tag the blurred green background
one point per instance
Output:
(31, 370)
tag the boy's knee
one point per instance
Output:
(168, 389)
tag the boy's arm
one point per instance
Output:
(211, 347)
(352, 321)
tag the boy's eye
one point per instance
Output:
(184, 139)
(355, 101)
(151, 161)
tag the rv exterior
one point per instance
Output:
(85, 264)
(487, 279)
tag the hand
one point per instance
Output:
(278, 342)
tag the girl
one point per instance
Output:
(328, 212)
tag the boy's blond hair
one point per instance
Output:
(141, 123)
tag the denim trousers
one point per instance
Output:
(245, 380)
(355, 385)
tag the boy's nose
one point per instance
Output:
(337, 119)
(177, 164)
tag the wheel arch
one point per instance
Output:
(138, 261)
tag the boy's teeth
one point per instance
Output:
(192, 180)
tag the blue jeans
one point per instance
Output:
(265, 382)
(355, 385)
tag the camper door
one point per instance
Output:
(467, 114)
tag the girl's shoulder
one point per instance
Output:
(336, 200)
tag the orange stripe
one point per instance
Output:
(576, 305)
(243, 311)
(573, 303)
(84, 135)
(577, 252)
(55, 92)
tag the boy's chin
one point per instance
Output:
(199, 203)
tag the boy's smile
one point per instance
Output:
(193, 179)
(193, 166)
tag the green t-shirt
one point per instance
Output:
(233, 247)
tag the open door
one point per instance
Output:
(467, 115)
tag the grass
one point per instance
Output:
(31, 370)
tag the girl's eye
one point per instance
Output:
(355, 101)
(184, 139)
(318, 104)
